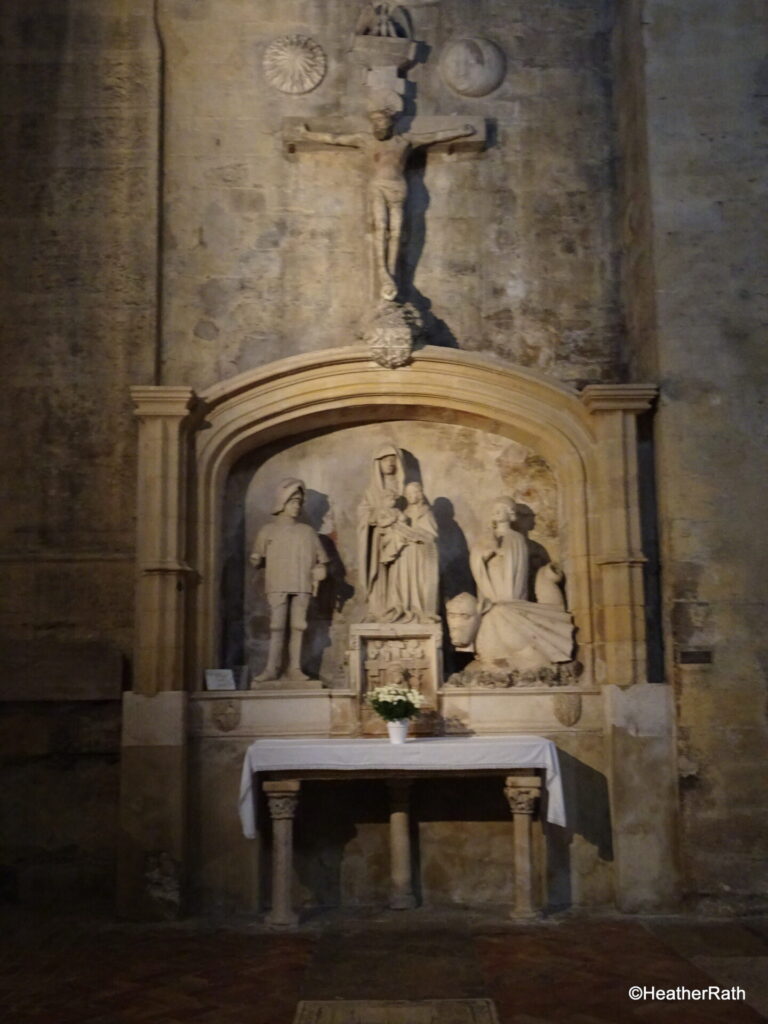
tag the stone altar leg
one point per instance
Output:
(400, 888)
(283, 799)
(522, 792)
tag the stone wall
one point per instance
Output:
(698, 316)
(78, 241)
(266, 253)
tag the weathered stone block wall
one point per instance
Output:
(78, 176)
(267, 254)
(701, 210)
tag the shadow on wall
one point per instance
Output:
(328, 845)
(437, 331)
(588, 814)
(334, 592)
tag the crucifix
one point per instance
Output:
(385, 48)
(386, 152)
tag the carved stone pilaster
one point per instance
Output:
(283, 798)
(614, 409)
(401, 886)
(163, 576)
(522, 794)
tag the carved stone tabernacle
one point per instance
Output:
(408, 654)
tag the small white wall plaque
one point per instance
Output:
(219, 679)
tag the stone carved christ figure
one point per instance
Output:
(386, 155)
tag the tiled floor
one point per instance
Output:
(76, 971)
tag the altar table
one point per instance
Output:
(296, 759)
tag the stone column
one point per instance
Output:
(283, 798)
(400, 887)
(162, 574)
(153, 767)
(522, 792)
(621, 641)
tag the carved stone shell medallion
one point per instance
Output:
(295, 64)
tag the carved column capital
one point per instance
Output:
(153, 401)
(282, 806)
(522, 794)
(631, 398)
(283, 798)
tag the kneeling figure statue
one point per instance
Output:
(508, 631)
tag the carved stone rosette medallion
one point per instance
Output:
(295, 64)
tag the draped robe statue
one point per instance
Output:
(512, 631)
(397, 550)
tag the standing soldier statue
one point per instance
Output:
(296, 564)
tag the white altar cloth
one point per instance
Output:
(432, 753)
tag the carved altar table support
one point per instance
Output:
(283, 798)
(522, 793)
(400, 887)
(513, 758)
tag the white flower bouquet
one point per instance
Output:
(394, 703)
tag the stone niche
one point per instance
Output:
(462, 469)
(471, 429)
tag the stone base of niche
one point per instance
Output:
(478, 711)
(277, 713)
(400, 654)
(452, 711)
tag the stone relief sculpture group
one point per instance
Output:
(399, 579)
